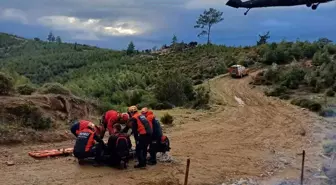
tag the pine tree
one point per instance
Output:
(207, 20)
(50, 37)
(263, 39)
(130, 48)
(174, 40)
(58, 39)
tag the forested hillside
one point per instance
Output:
(157, 79)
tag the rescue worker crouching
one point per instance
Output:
(119, 146)
(142, 133)
(77, 126)
(112, 117)
(89, 144)
(156, 136)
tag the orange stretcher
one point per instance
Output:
(51, 153)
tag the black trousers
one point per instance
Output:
(153, 149)
(141, 149)
(95, 151)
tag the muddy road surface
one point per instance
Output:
(245, 134)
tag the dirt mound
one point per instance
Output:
(23, 118)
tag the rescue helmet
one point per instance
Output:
(132, 109)
(125, 117)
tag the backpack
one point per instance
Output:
(122, 146)
(164, 145)
(157, 130)
(145, 123)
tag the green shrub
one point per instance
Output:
(329, 147)
(167, 119)
(175, 88)
(282, 54)
(54, 88)
(334, 87)
(309, 49)
(133, 97)
(320, 58)
(305, 103)
(331, 49)
(197, 82)
(277, 91)
(269, 57)
(26, 89)
(148, 100)
(6, 84)
(163, 106)
(271, 75)
(284, 97)
(202, 97)
(316, 59)
(330, 92)
(318, 87)
(325, 58)
(293, 78)
(42, 123)
(30, 116)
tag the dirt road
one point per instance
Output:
(245, 135)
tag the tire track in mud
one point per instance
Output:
(231, 142)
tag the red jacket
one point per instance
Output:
(111, 117)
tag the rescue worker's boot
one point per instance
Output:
(81, 162)
(141, 166)
(152, 158)
(151, 162)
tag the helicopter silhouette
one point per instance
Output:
(270, 3)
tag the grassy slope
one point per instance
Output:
(108, 75)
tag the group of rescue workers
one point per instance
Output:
(145, 128)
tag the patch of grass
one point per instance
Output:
(308, 104)
(330, 92)
(26, 89)
(163, 106)
(277, 91)
(54, 88)
(202, 97)
(285, 97)
(329, 147)
(167, 119)
(30, 116)
(6, 84)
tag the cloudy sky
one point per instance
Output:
(149, 23)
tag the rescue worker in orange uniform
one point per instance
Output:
(112, 117)
(78, 126)
(156, 136)
(142, 133)
(89, 144)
